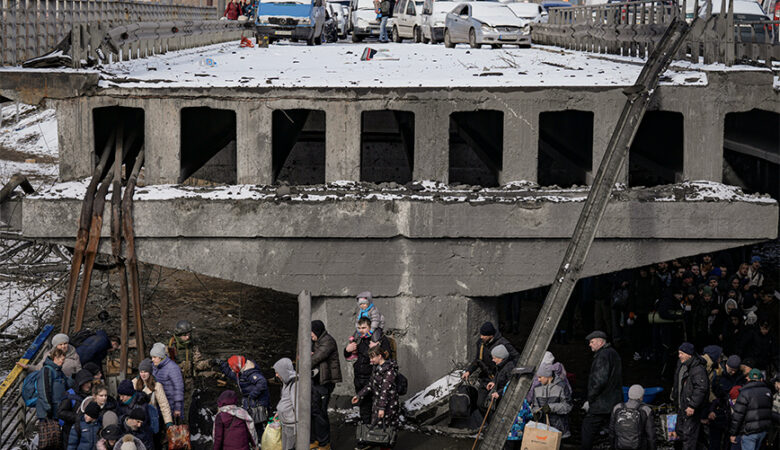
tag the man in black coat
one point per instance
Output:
(751, 417)
(363, 367)
(326, 373)
(690, 393)
(605, 387)
(489, 338)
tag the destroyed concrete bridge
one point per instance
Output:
(437, 181)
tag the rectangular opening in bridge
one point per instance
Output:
(387, 146)
(565, 152)
(208, 146)
(656, 155)
(106, 119)
(751, 151)
(298, 146)
(476, 147)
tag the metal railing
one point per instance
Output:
(632, 29)
(29, 28)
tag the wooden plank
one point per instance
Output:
(28, 356)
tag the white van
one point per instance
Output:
(364, 22)
(406, 22)
(433, 15)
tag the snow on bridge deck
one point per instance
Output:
(417, 65)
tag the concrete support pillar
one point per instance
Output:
(604, 121)
(521, 144)
(163, 141)
(702, 144)
(342, 142)
(254, 144)
(76, 146)
(432, 144)
(430, 332)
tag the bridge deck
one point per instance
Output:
(409, 66)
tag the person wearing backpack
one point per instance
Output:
(70, 365)
(69, 409)
(84, 434)
(326, 373)
(631, 423)
(51, 385)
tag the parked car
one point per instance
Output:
(340, 14)
(290, 19)
(746, 15)
(433, 15)
(364, 22)
(406, 22)
(555, 4)
(478, 23)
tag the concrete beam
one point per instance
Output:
(521, 143)
(254, 145)
(163, 141)
(342, 142)
(431, 144)
(32, 86)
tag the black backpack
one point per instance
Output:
(79, 338)
(629, 427)
(462, 402)
(401, 384)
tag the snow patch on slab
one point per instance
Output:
(433, 393)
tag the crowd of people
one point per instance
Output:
(73, 398)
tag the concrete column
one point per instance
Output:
(604, 121)
(430, 332)
(521, 144)
(702, 144)
(254, 144)
(163, 141)
(342, 142)
(76, 147)
(432, 144)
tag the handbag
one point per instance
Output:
(49, 434)
(380, 437)
(259, 414)
(178, 437)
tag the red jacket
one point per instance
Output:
(232, 11)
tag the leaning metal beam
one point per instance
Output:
(751, 150)
(639, 97)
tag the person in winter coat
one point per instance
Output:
(751, 417)
(690, 394)
(129, 398)
(605, 387)
(631, 425)
(286, 409)
(184, 352)
(385, 409)
(232, 11)
(489, 338)
(253, 387)
(84, 434)
(504, 367)
(95, 348)
(68, 410)
(137, 424)
(234, 428)
(366, 308)
(327, 372)
(70, 366)
(146, 383)
(719, 408)
(109, 436)
(167, 373)
(559, 371)
(552, 398)
(362, 368)
(129, 442)
(52, 385)
(106, 403)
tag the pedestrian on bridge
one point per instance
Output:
(605, 387)
(167, 373)
(690, 392)
(326, 373)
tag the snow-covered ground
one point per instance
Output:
(29, 147)
(404, 65)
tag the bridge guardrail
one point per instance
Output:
(632, 29)
(29, 28)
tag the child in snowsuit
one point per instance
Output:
(366, 308)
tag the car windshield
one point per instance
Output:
(493, 13)
(365, 4)
(524, 10)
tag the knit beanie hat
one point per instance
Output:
(128, 443)
(734, 361)
(111, 432)
(545, 371)
(83, 376)
(92, 410)
(125, 388)
(636, 392)
(548, 358)
(60, 338)
(487, 329)
(93, 368)
(145, 365)
(317, 327)
(714, 352)
(755, 375)
(499, 351)
(687, 347)
(138, 414)
(158, 350)
(364, 297)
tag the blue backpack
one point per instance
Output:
(154, 418)
(30, 388)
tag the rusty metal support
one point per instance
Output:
(83, 233)
(132, 260)
(116, 251)
(15, 181)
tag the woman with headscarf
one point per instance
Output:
(234, 428)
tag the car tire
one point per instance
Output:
(425, 40)
(396, 37)
(318, 40)
(473, 39)
(417, 34)
(310, 41)
(447, 40)
(356, 38)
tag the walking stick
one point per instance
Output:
(483, 423)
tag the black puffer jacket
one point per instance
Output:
(752, 412)
(363, 368)
(691, 386)
(325, 357)
(605, 382)
(484, 360)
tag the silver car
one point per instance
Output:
(478, 23)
